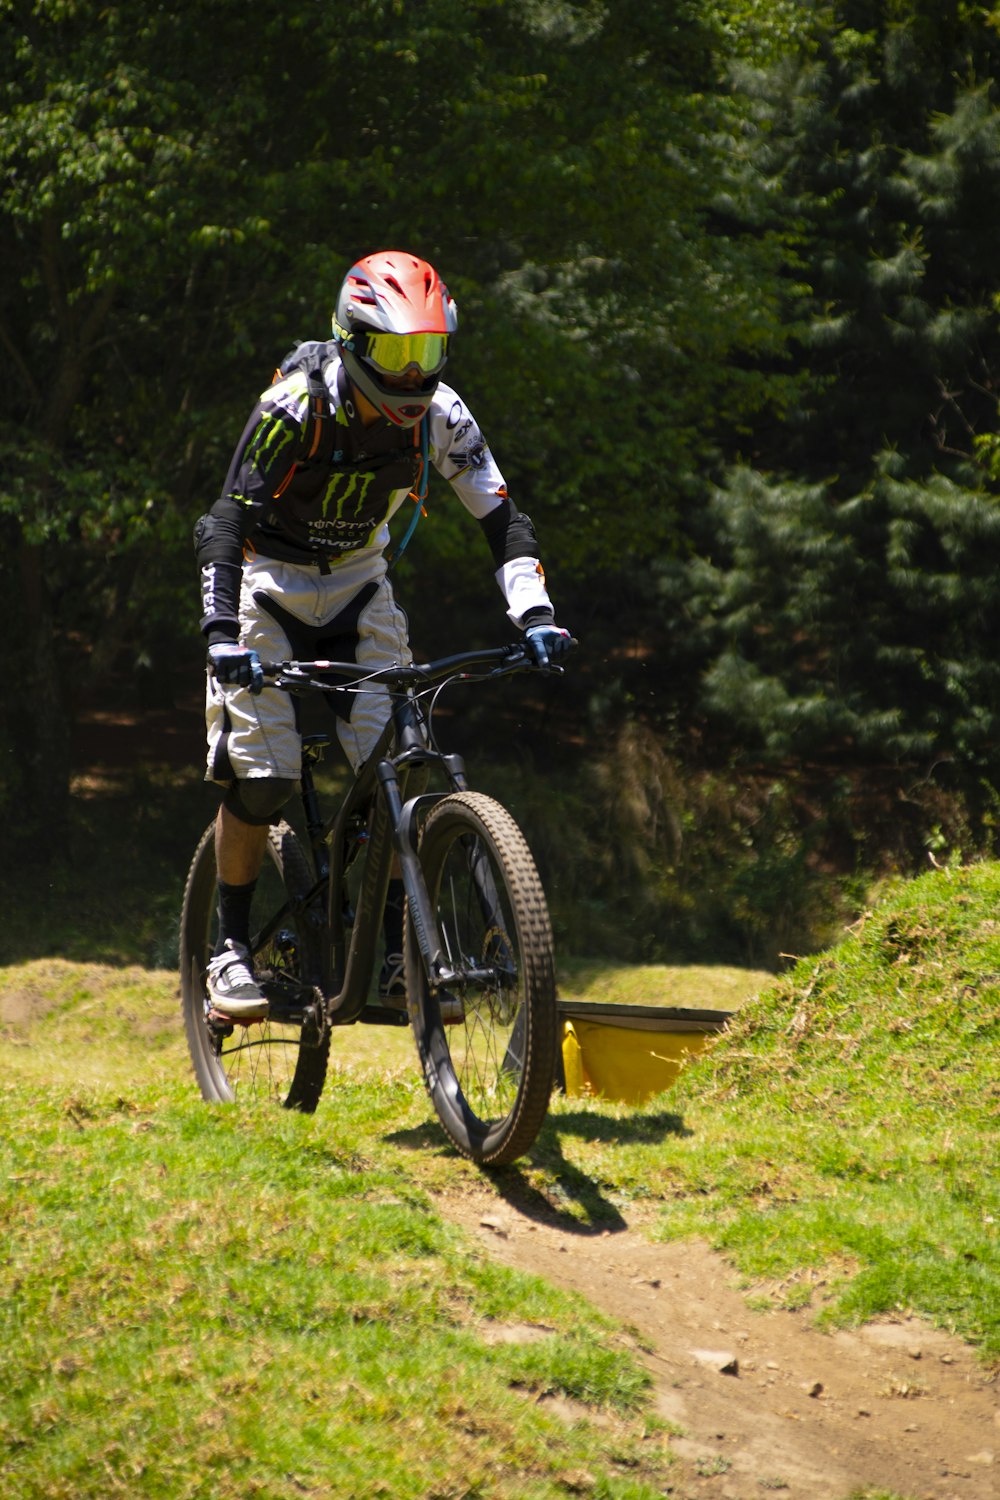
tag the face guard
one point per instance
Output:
(393, 322)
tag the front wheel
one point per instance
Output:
(283, 1057)
(488, 1042)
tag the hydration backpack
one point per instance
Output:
(310, 356)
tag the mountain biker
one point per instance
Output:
(293, 564)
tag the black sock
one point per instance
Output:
(234, 914)
(392, 922)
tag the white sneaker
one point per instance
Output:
(231, 985)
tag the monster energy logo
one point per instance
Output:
(353, 493)
(271, 437)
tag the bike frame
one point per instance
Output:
(381, 810)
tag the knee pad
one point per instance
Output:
(259, 799)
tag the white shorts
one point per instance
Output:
(352, 612)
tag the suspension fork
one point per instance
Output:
(414, 757)
(403, 822)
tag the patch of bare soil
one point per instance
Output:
(764, 1400)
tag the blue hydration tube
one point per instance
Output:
(418, 499)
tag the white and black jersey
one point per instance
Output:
(320, 491)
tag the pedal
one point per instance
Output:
(225, 1025)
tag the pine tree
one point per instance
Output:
(848, 604)
(857, 632)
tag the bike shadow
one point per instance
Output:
(572, 1200)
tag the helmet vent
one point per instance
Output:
(361, 291)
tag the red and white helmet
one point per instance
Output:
(393, 322)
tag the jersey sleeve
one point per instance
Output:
(460, 453)
(274, 440)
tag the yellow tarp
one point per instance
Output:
(619, 1062)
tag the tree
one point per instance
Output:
(180, 188)
(856, 633)
(140, 255)
(879, 136)
(845, 578)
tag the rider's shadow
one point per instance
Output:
(572, 1200)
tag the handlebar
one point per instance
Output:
(501, 660)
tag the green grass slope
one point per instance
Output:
(841, 1142)
(873, 1075)
(210, 1301)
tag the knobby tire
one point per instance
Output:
(490, 1075)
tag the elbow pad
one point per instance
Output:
(219, 538)
(509, 532)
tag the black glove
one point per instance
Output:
(547, 643)
(236, 664)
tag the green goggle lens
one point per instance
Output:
(392, 353)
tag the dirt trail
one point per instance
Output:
(764, 1400)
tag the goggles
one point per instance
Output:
(392, 353)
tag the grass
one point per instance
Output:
(210, 1301)
(201, 1301)
(840, 1143)
(693, 987)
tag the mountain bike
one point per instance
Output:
(478, 961)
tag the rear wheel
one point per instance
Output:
(490, 1073)
(283, 1057)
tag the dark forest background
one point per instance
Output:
(728, 274)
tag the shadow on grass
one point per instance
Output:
(572, 1200)
(632, 1130)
